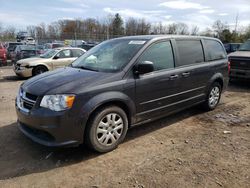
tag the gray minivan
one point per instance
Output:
(118, 84)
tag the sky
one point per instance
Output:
(203, 13)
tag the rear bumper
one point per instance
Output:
(239, 73)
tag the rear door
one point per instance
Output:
(194, 72)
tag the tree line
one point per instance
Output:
(112, 26)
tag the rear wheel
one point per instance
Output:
(213, 96)
(39, 70)
(107, 129)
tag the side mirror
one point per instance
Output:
(144, 67)
(56, 56)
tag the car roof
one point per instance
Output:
(151, 37)
(65, 48)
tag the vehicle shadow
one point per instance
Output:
(20, 156)
(239, 86)
(11, 78)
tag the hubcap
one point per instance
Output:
(109, 129)
(214, 96)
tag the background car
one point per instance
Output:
(240, 62)
(53, 45)
(29, 40)
(50, 60)
(22, 52)
(40, 49)
(232, 47)
(21, 36)
(11, 47)
(3, 55)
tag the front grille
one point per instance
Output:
(31, 97)
(26, 101)
(240, 63)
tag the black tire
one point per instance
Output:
(39, 70)
(94, 140)
(208, 105)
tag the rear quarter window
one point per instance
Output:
(190, 52)
(214, 50)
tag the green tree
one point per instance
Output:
(117, 25)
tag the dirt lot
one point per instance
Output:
(189, 149)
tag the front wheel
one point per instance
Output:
(107, 129)
(213, 97)
(39, 70)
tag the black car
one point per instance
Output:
(11, 47)
(87, 46)
(118, 84)
(23, 51)
(21, 36)
(232, 47)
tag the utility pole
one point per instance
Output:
(236, 22)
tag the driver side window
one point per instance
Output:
(160, 54)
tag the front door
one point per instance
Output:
(63, 58)
(155, 91)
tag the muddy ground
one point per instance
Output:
(189, 149)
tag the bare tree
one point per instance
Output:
(194, 30)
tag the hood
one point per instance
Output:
(240, 54)
(32, 60)
(63, 81)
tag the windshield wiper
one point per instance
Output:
(86, 68)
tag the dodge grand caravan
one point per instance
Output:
(118, 84)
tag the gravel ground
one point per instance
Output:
(189, 149)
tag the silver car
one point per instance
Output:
(50, 60)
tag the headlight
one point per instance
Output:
(57, 102)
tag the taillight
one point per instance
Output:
(229, 66)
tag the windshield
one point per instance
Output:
(26, 47)
(49, 53)
(245, 46)
(109, 56)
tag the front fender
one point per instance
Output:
(107, 98)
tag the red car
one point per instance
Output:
(3, 55)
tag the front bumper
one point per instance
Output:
(239, 73)
(49, 128)
(23, 72)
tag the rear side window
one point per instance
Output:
(190, 52)
(160, 54)
(214, 50)
(77, 53)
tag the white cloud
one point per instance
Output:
(167, 17)
(150, 15)
(207, 11)
(182, 5)
(69, 10)
(202, 21)
(222, 14)
(76, 3)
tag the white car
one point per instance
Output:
(50, 60)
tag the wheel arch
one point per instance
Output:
(39, 65)
(108, 99)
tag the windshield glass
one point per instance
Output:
(109, 56)
(27, 47)
(49, 53)
(245, 46)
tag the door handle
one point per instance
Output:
(172, 77)
(185, 74)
